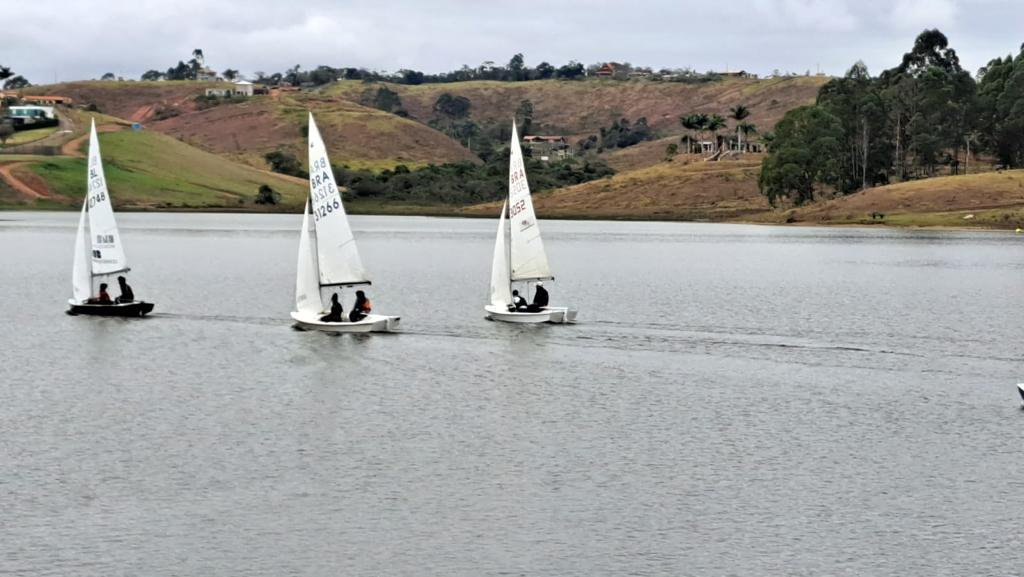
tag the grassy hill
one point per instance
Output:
(134, 101)
(991, 199)
(363, 137)
(148, 170)
(684, 189)
(355, 135)
(583, 107)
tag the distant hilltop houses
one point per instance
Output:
(625, 71)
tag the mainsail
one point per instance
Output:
(107, 252)
(501, 294)
(337, 257)
(528, 260)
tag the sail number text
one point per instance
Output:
(517, 181)
(326, 199)
(97, 198)
(517, 208)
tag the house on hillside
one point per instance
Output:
(605, 71)
(239, 88)
(206, 74)
(49, 100)
(740, 74)
(547, 147)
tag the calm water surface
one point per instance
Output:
(736, 400)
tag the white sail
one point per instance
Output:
(81, 273)
(528, 260)
(337, 256)
(307, 284)
(107, 252)
(501, 290)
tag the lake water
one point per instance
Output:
(735, 400)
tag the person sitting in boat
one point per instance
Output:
(361, 308)
(127, 295)
(540, 299)
(518, 302)
(336, 315)
(103, 298)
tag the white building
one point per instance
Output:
(240, 88)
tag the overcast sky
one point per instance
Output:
(80, 39)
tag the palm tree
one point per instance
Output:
(746, 129)
(689, 122)
(739, 113)
(198, 55)
(715, 123)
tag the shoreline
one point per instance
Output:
(460, 212)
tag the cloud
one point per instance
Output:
(919, 14)
(75, 39)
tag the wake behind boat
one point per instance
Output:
(519, 254)
(328, 257)
(100, 256)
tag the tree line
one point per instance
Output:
(915, 120)
(460, 183)
(516, 70)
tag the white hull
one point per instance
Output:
(557, 315)
(370, 324)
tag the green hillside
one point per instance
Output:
(148, 170)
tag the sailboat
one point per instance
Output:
(328, 257)
(519, 255)
(99, 253)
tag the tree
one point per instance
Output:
(747, 129)
(803, 155)
(524, 117)
(108, 76)
(229, 74)
(411, 77)
(286, 163)
(697, 122)
(1001, 110)
(387, 100)
(715, 123)
(545, 71)
(267, 195)
(516, 68)
(453, 107)
(671, 150)
(571, 71)
(152, 75)
(739, 113)
(5, 72)
(197, 55)
(6, 130)
(16, 82)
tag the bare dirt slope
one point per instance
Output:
(578, 107)
(355, 135)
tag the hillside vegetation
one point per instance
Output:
(148, 170)
(355, 135)
(583, 107)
